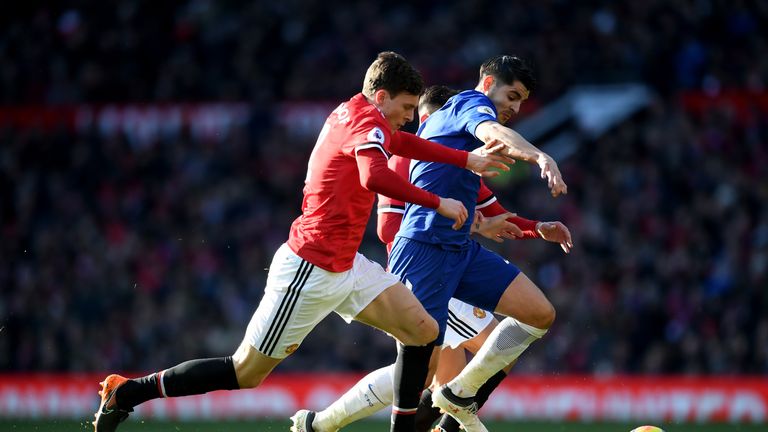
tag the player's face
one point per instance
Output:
(398, 110)
(507, 98)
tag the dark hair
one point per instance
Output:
(436, 96)
(508, 69)
(392, 72)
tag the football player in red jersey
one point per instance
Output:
(318, 270)
(468, 327)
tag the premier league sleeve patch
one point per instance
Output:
(376, 135)
(374, 139)
(486, 110)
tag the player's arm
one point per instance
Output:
(388, 223)
(414, 147)
(376, 177)
(490, 208)
(497, 136)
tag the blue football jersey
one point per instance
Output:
(454, 126)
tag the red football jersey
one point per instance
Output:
(336, 207)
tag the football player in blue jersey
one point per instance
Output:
(440, 262)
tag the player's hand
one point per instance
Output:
(481, 161)
(496, 228)
(551, 172)
(556, 232)
(494, 146)
(453, 209)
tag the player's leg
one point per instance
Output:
(455, 363)
(432, 274)
(381, 301)
(484, 282)
(529, 315)
(398, 312)
(290, 308)
(368, 396)
(468, 326)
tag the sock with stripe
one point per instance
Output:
(188, 378)
(505, 344)
(426, 414)
(449, 424)
(411, 369)
(368, 396)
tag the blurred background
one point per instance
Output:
(152, 157)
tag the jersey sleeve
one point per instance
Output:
(414, 147)
(475, 110)
(376, 177)
(368, 134)
(387, 225)
(400, 166)
(487, 202)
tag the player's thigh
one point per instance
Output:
(524, 301)
(432, 273)
(485, 278)
(452, 361)
(465, 323)
(298, 295)
(398, 312)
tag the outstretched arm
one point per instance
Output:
(490, 208)
(495, 135)
(414, 147)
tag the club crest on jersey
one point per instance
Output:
(486, 110)
(376, 135)
(479, 313)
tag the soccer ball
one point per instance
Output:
(647, 429)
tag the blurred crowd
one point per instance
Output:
(117, 256)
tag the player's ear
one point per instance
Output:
(380, 96)
(487, 82)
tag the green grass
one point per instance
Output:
(370, 426)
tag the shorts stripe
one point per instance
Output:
(459, 331)
(286, 307)
(461, 327)
(297, 292)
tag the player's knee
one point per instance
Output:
(250, 367)
(423, 332)
(248, 376)
(545, 316)
(250, 380)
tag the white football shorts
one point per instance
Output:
(299, 295)
(464, 322)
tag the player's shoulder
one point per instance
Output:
(363, 113)
(473, 103)
(473, 98)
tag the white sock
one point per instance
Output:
(507, 341)
(369, 395)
